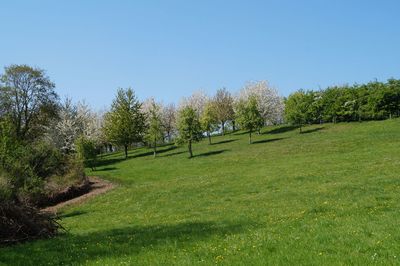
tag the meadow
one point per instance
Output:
(327, 196)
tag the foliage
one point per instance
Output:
(87, 151)
(168, 119)
(125, 123)
(372, 101)
(155, 131)
(297, 108)
(197, 101)
(248, 115)
(27, 97)
(208, 119)
(223, 107)
(189, 127)
(270, 104)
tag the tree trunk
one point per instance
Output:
(155, 148)
(190, 149)
(209, 138)
(126, 151)
(233, 125)
(223, 127)
(250, 136)
(300, 128)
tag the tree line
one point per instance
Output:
(130, 121)
(371, 101)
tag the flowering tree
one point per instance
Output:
(270, 104)
(223, 107)
(168, 120)
(197, 101)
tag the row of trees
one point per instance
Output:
(129, 121)
(371, 101)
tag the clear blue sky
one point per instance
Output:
(168, 49)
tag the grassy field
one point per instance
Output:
(328, 196)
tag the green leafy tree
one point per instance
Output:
(189, 127)
(332, 102)
(208, 119)
(155, 131)
(249, 116)
(125, 123)
(27, 96)
(8, 142)
(87, 151)
(297, 108)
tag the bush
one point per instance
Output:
(28, 169)
(87, 151)
(5, 190)
(21, 222)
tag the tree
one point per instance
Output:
(331, 103)
(87, 151)
(8, 142)
(249, 116)
(297, 108)
(189, 127)
(208, 119)
(125, 123)
(270, 104)
(27, 95)
(168, 120)
(197, 101)
(223, 107)
(155, 129)
(64, 131)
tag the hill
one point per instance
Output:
(327, 196)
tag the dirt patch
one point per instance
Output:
(95, 186)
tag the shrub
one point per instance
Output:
(22, 222)
(87, 151)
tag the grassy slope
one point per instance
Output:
(329, 196)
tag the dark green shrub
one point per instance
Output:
(87, 151)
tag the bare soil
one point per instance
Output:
(97, 186)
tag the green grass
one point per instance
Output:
(328, 196)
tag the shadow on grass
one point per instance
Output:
(106, 169)
(224, 141)
(282, 129)
(266, 140)
(174, 153)
(241, 133)
(105, 162)
(71, 214)
(206, 154)
(312, 130)
(170, 148)
(72, 249)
